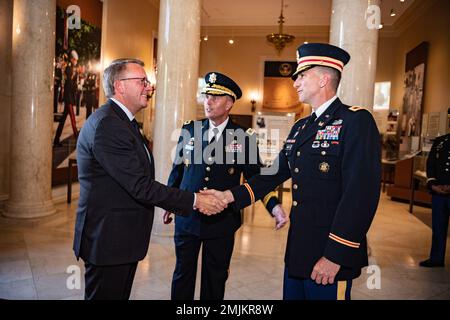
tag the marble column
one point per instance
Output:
(353, 29)
(33, 50)
(177, 80)
(6, 9)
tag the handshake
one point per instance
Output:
(211, 202)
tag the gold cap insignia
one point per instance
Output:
(324, 167)
(231, 170)
(212, 78)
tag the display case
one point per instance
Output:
(410, 180)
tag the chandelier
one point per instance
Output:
(280, 39)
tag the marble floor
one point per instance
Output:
(37, 262)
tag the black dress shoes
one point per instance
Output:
(430, 264)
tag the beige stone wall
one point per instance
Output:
(128, 29)
(433, 25)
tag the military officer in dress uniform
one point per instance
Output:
(333, 158)
(70, 90)
(90, 87)
(438, 174)
(212, 153)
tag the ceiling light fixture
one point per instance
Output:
(280, 39)
(392, 13)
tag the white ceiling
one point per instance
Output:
(296, 12)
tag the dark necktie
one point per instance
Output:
(216, 133)
(311, 120)
(138, 131)
(213, 141)
(136, 128)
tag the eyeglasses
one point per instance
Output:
(144, 80)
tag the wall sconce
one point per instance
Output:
(253, 99)
(152, 82)
(153, 87)
(253, 102)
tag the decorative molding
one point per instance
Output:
(410, 16)
(388, 32)
(262, 31)
(414, 12)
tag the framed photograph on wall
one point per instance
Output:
(414, 84)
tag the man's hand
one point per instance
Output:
(225, 196)
(324, 271)
(280, 216)
(441, 189)
(209, 204)
(167, 219)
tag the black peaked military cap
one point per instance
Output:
(218, 84)
(320, 54)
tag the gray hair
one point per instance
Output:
(335, 76)
(113, 72)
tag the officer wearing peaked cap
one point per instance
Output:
(212, 153)
(333, 158)
(438, 182)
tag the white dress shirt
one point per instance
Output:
(324, 107)
(221, 127)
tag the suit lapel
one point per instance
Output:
(122, 115)
(320, 122)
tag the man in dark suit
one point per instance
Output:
(333, 158)
(438, 182)
(117, 187)
(212, 153)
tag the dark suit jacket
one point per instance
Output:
(118, 191)
(192, 172)
(335, 166)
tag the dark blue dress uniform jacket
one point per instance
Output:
(222, 173)
(335, 168)
(438, 163)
